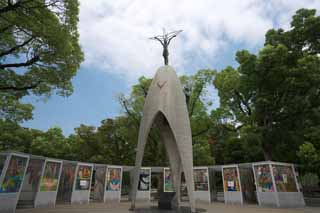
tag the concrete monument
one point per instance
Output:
(165, 108)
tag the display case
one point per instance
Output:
(276, 185)
(113, 184)
(144, 185)
(201, 184)
(82, 183)
(14, 168)
(232, 184)
(49, 184)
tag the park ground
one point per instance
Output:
(124, 206)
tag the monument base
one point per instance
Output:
(165, 200)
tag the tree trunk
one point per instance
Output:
(267, 151)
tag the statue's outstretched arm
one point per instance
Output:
(171, 39)
(156, 38)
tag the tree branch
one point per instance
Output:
(32, 86)
(195, 101)
(241, 100)
(5, 28)
(200, 132)
(24, 64)
(10, 7)
(6, 52)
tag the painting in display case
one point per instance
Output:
(14, 175)
(264, 178)
(144, 180)
(66, 181)
(50, 179)
(284, 178)
(113, 179)
(231, 179)
(83, 177)
(201, 179)
(167, 180)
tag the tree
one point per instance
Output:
(277, 92)
(50, 144)
(16, 138)
(39, 52)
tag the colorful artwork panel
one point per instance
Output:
(66, 182)
(144, 180)
(167, 177)
(50, 179)
(264, 178)
(14, 175)
(201, 179)
(284, 178)
(32, 177)
(113, 179)
(231, 179)
(83, 177)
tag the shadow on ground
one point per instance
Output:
(154, 209)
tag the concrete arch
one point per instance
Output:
(166, 107)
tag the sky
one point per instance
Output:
(114, 38)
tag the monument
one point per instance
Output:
(165, 108)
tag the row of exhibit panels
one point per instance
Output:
(276, 184)
(42, 181)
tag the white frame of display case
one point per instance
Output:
(164, 177)
(5, 166)
(228, 194)
(77, 195)
(4, 197)
(51, 196)
(112, 194)
(141, 195)
(203, 196)
(24, 194)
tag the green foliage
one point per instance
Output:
(309, 156)
(275, 93)
(39, 52)
(15, 137)
(50, 143)
(309, 181)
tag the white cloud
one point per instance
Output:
(114, 34)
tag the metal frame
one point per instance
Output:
(42, 173)
(271, 164)
(146, 168)
(5, 168)
(105, 182)
(256, 181)
(208, 180)
(76, 176)
(239, 179)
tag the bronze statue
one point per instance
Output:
(165, 41)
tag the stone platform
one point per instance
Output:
(151, 207)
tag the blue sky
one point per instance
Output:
(113, 36)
